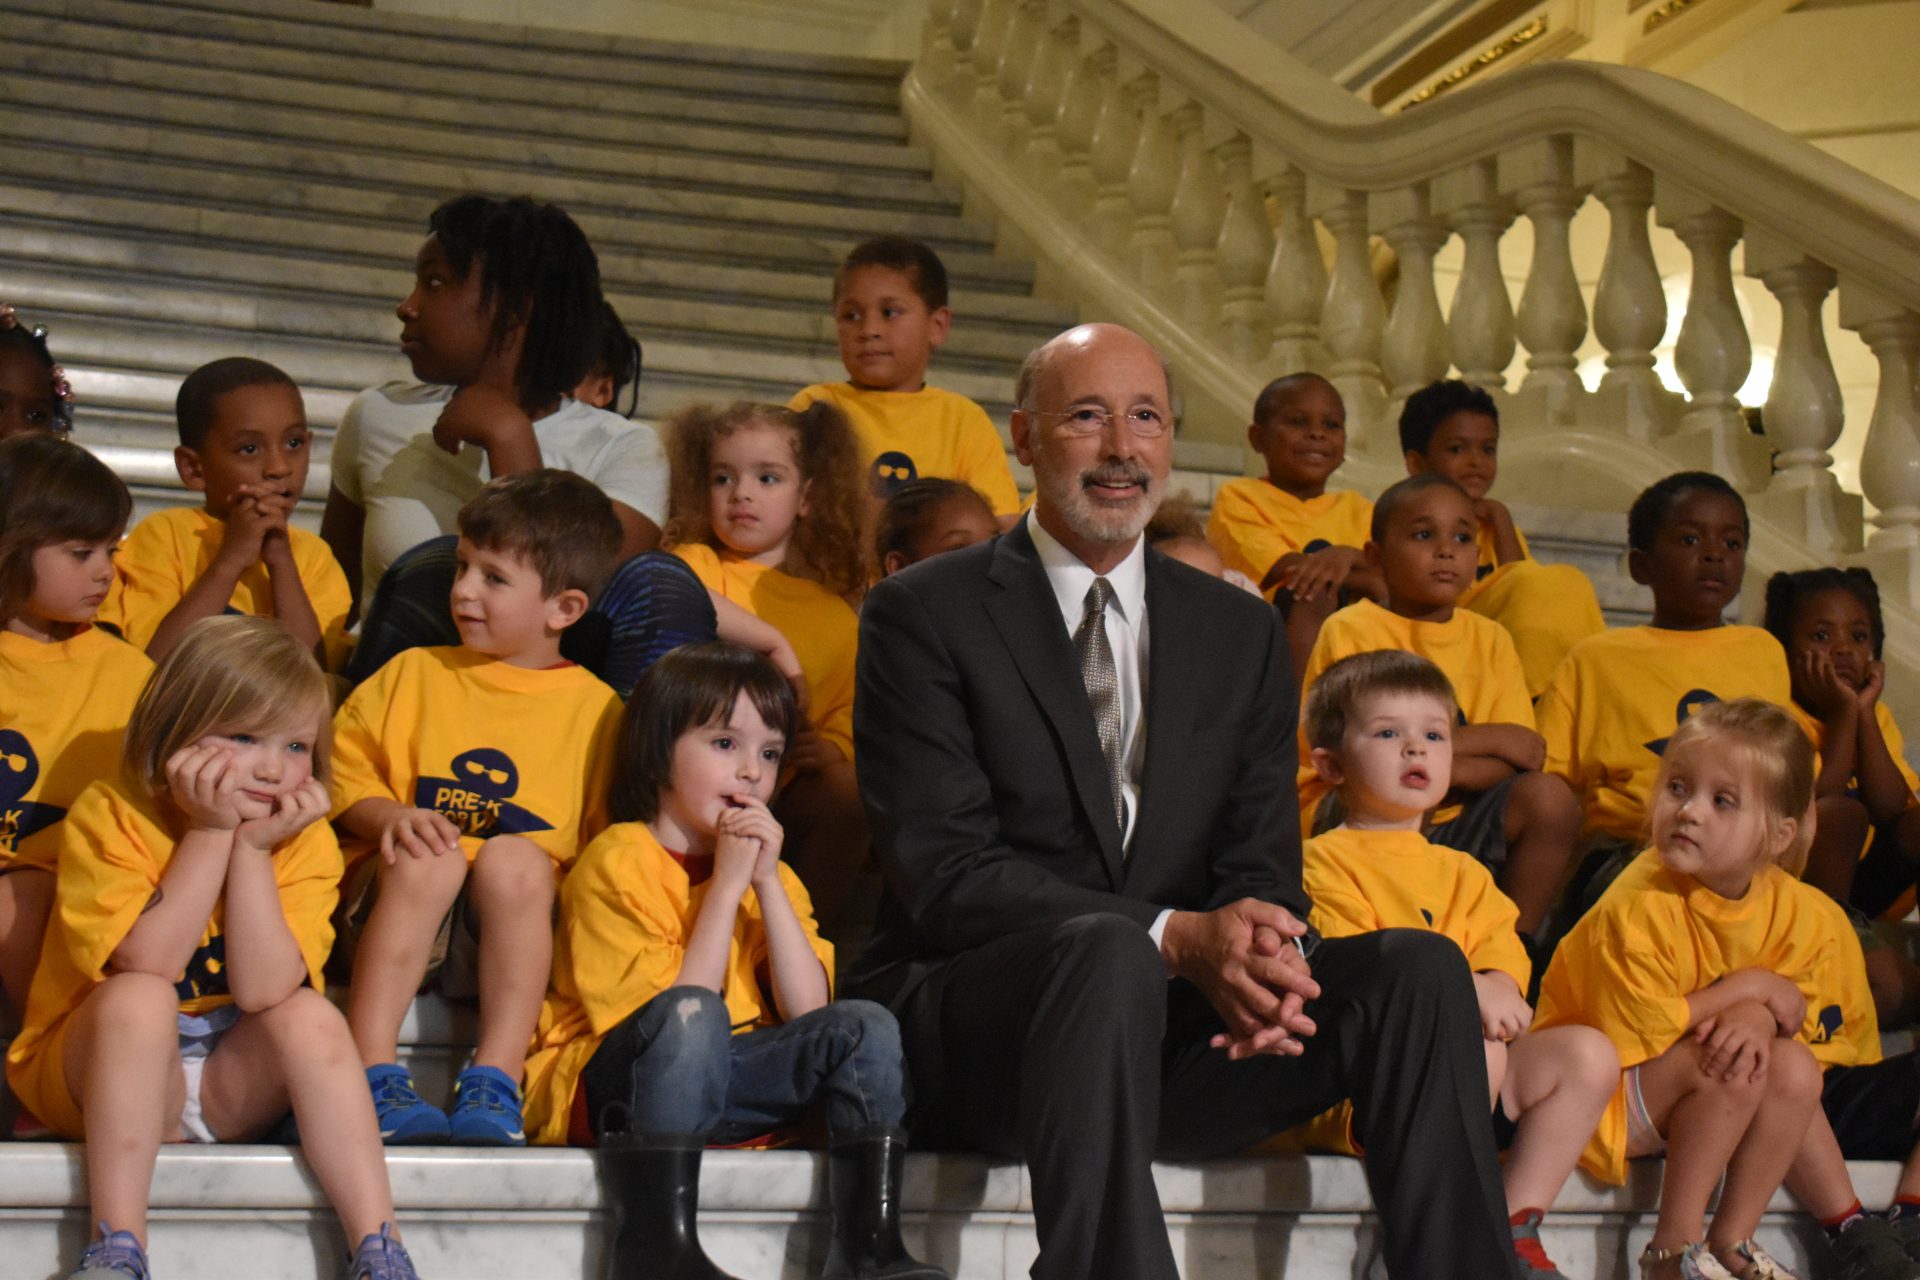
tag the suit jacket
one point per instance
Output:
(981, 769)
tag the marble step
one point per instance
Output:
(126, 156)
(220, 287)
(228, 1212)
(663, 153)
(204, 130)
(109, 57)
(153, 239)
(481, 48)
(328, 221)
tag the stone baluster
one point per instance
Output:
(1480, 323)
(965, 31)
(1244, 249)
(1017, 55)
(1552, 318)
(1116, 135)
(1630, 307)
(1413, 350)
(1044, 95)
(1150, 183)
(1712, 354)
(1890, 459)
(989, 108)
(1354, 318)
(1080, 103)
(1296, 280)
(936, 44)
(1803, 413)
(1199, 204)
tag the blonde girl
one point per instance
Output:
(66, 686)
(766, 507)
(178, 996)
(1725, 984)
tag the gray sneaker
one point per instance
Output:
(116, 1255)
(381, 1257)
(1871, 1249)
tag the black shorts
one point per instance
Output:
(1873, 1108)
(1480, 828)
(1885, 873)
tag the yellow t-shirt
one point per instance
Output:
(168, 551)
(1896, 745)
(1657, 936)
(1255, 522)
(1546, 608)
(63, 711)
(498, 749)
(1474, 653)
(821, 627)
(114, 850)
(911, 435)
(1363, 881)
(626, 913)
(1611, 706)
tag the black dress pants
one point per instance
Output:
(1067, 1047)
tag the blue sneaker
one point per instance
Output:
(405, 1117)
(116, 1255)
(486, 1109)
(381, 1257)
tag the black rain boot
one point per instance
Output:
(863, 1175)
(652, 1182)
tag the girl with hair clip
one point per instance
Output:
(692, 994)
(34, 392)
(767, 509)
(1726, 985)
(67, 687)
(179, 991)
(503, 323)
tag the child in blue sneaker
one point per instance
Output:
(692, 993)
(465, 780)
(178, 994)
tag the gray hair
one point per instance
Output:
(1036, 360)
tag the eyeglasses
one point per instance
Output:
(1146, 422)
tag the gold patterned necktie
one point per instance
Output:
(1097, 672)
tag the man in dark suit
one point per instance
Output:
(1078, 757)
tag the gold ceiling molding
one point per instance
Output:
(1467, 70)
(1666, 13)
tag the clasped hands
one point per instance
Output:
(1243, 957)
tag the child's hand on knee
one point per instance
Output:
(202, 780)
(1504, 1012)
(420, 832)
(292, 813)
(1738, 1043)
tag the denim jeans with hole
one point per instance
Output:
(677, 1064)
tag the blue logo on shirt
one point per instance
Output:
(1690, 701)
(1829, 1026)
(889, 472)
(478, 797)
(19, 770)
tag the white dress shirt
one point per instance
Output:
(1126, 623)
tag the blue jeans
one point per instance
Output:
(677, 1064)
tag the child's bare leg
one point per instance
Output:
(827, 840)
(122, 1065)
(26, 899)
(414, 897)
(511, 896)
(1841, 828)
(1559, 1081)
(1790, 1095)
(1704, 1119)
(300, 1053)
(1819, 1179)
(1497, 1065)
(1894, 981)
(1542, 828)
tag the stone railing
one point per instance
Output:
(1168, 168)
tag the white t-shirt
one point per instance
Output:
(385, 461)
